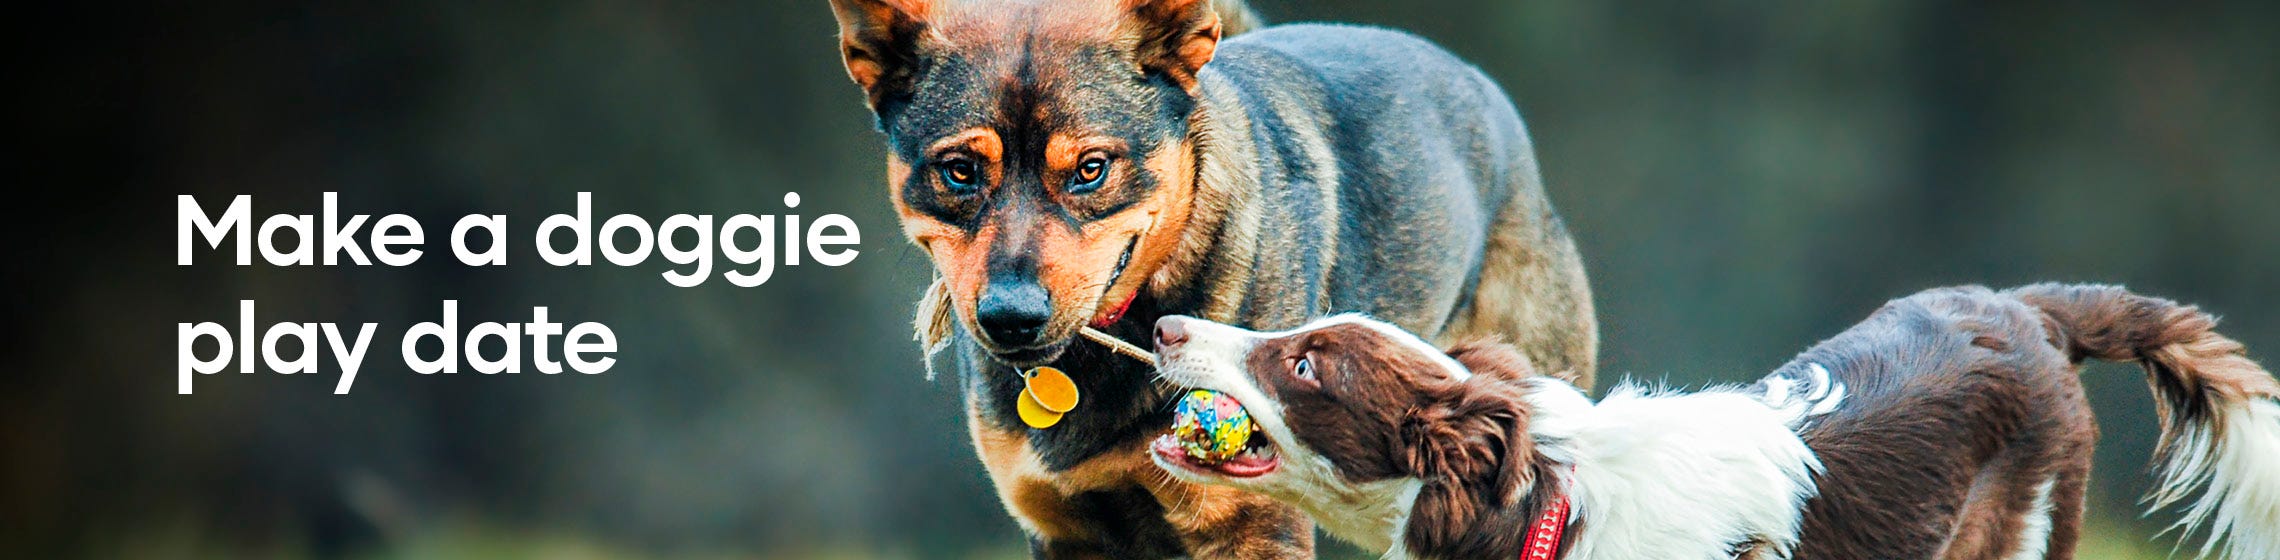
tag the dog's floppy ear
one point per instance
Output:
(879, 41)
(1176, 37)
(1501, 361)
(1494, 359)
(1471, 448)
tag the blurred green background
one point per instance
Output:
(1744, 178)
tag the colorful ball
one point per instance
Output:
(1211, 426)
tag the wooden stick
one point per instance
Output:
(1119, 345)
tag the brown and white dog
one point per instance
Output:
(1949, 424)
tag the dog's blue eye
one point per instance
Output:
(1089, 176)
(959, 175)
(1304, 369)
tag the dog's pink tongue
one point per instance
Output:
(1247, 465)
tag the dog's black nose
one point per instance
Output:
(1013, 313)
(1170, 331)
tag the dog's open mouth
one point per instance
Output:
(1213, 434)
(1256, 459)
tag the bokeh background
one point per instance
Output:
(1744, 177)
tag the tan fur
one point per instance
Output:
(1179, 56)
(1078, 274)
(1171, 222)
(1225, 177)
(1236, 17)
(1534, 300)
(1167, 218)
(1223, 522)
(1213, 521)
(1036, 497)
(1220, 176)
(958, 258)
(945, 245)
(1082, 262)
(860, 22)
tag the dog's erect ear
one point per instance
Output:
(1176, 36)
(1471, 449)
(879, 41)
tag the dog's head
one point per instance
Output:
(1358, 415)
(1038, 151)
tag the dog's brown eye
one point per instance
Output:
(959, 175)
(1089, 174)
(1304, 369)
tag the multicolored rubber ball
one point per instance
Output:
(1211, 426)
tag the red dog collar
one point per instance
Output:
(1544, 536)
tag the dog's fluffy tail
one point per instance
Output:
(1236, 17)
(2220, 412)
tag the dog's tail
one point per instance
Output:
(2220, 412)
(1236, 17)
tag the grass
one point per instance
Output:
(2101, 540)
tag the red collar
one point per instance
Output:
(1544, 535)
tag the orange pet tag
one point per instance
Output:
(1046, 395)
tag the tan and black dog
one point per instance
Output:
(1108, 162)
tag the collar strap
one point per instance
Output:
(1543, 541)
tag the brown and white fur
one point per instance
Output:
(1949, 424)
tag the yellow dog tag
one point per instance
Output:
(1035, 414)
(1052, 389)
(1046, 395)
